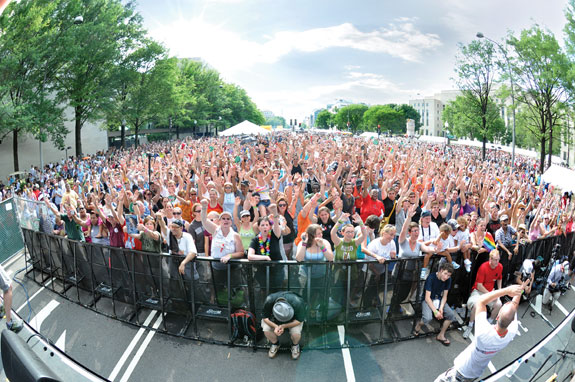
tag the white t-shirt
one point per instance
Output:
(447, 243)
(385, 251)
(429, 233)
(487, 342)
(461, 236)
(185, 243)
(222, 246)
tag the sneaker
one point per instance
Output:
(467, 264)
(295, 352)
(467, 331)
(455, 265)
(273, 350)
(424, 273)
(14, 326)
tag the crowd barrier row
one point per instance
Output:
(376, 303)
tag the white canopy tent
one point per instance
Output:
(244, 128)
(560, 177)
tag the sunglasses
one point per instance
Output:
(193, 194)
(282, 205)
(226, 218)
(197, 211)
(177, 213)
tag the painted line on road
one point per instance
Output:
(346, 355)
(61, 342)
(38, 319)
(131, 347)
(525, 329)
(561, 308)
(34, 295)
(573, 287)
(490, 365)
(141, 350)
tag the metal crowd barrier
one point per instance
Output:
(374, 303)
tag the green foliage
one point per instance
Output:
(475, 67)
(27, 66)
(387, 116)
(276, 121)
(543, 73)
(352, 114)
(324, 119)
(409, 113)
(466, 119)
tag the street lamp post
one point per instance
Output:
(67, 148)
(481, 35)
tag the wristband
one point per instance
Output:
(304, 244)
(340, 221)
(361, 224)
(323, 249)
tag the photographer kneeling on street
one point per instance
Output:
(283, 310)
(556, 284)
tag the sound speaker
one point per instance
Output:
(21, 363)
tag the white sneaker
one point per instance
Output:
(295, 352)
(467, 331)
(424, 273)
(14, 325)
(467, 264)
(273, 350)
(455, 265)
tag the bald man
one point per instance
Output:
(489, 339)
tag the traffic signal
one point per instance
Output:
(290, 122)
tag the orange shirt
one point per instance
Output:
(186, 211)
(302, 223)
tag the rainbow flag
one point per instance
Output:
(391, 150)
(488, 242)
(498, 180)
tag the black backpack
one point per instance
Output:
(244, 326)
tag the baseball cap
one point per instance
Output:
(453, 224)
(225, 213)
(178, 222)
(245, 213)
(425, 213)
(503, 217)
(282, 311)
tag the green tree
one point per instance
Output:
(27, 66)
(466, 122)
(542, 72)
(324, 119)
(476, 67)
(145, 89)
(352, 114)
(410, 113)
(389, 117)
(276, 121)
(91, 51)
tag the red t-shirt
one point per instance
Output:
(487, 275)
(371, 207)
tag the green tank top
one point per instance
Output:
(346, 251)
(246, 236)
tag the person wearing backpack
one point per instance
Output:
(283, 310)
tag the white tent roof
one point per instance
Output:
(560, 177)
(368, 134)
(244, 128)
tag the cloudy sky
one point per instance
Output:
(296, 56)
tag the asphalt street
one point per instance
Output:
(124, 352)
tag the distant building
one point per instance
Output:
(430, 109)
(410, 127)
(268, 114)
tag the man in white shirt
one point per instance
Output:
(180, 243)
(428, 230)
(489, 339)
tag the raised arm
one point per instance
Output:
(208, 225)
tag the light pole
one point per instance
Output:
(67, 148)
(481, 35)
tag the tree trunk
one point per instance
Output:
(136, 129)
(483, 150)
(542, 158)
(78, 130)
(550, 146)
(15, 149)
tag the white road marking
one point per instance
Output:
(34, 295)
(490, 365)
(561, 308)
(38, 319)
(61, 342)
(346, 355)
(522, 327)
(141, 350)
(573, 287)
(131, 347)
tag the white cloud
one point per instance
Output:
(226, 50)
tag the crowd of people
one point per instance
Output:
(312, 198)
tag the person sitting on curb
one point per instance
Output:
(435, 303)
(6, 286)
(283, 310)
